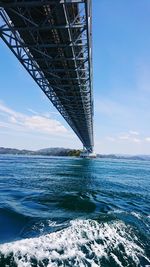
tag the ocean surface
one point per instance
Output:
(74, 212)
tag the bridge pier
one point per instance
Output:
(87, 154)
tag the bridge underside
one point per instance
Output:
(52, 40)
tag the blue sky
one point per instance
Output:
(121, 61)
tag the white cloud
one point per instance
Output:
(7, 110)
(136, 140)
(124, 137)
(133, 132)
(32, 111)
(110, 138)
(131, 136)
(30, 123)
(47, 114)
(44, 125)
(147, 139)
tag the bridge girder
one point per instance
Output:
(55, 48)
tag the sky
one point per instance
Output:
(121, 67)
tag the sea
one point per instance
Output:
(65, 211)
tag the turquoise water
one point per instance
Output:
(74, 212)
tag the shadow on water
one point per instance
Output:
(73, 187)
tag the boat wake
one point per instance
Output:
(83, 243)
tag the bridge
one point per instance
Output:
(53, 41)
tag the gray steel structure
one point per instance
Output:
(53, 41)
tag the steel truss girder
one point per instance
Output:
(80, 121)
(30, 3)
(50, 45)
(47, 27)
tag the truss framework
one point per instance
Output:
(52, 40)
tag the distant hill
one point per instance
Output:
(14, 151)
(54, 151)
(60, 151)
(134, 157)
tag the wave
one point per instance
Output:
(83, 243)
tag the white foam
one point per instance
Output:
(116, 260)
(135, 214)
(84, 241)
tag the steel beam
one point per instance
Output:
(47, 28)
(28, 3)
(50, 45)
